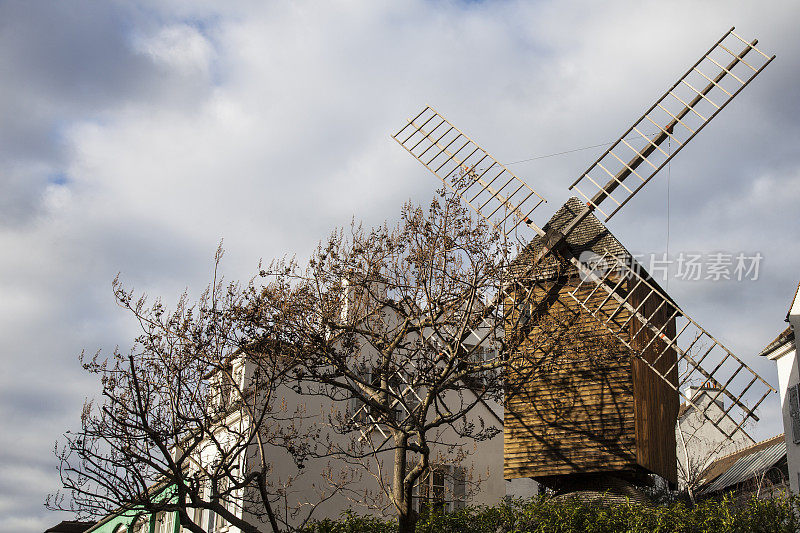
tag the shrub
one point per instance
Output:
(545, 515)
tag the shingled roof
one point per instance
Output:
(590, 235)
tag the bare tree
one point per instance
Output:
(192, 419)
(400, 332)
(401, 329)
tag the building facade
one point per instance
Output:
(783, 350)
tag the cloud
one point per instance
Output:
(180, 46)
(137, 135)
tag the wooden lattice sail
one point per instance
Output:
(681, 113)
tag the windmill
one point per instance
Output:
(615, 416)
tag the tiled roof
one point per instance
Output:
(590, 235)
(785, 337)
(740, 466)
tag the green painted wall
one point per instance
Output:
(111, 523)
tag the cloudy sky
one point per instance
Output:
(134, 136)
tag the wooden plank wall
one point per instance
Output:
(570, 398)
(656, 403)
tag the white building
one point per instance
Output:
(471, 473)
(783, 350)
(700, 441)
(482, 468)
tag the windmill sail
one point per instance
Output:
(485, 184)
(670, 123)
(729, 378)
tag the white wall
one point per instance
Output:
(483, 464)
(788, 376)
(699, 441)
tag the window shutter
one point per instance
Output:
(459, 487)
(438, 483)
(796, 428)
(198, 516)
(794, 412)
(211, 521)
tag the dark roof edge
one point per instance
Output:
(791, 304)
(784, 338)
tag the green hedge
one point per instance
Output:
(544, 515)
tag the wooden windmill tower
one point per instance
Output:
(619, 351)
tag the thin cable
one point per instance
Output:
(572, 151)
(559, 153)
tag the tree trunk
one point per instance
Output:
(406, 521)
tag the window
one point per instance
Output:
(523, 312)
(437, 490)
(524, 305)
(222, 494)
(399, 385)
(207, 518)
(442, 489)
(220, 391)
(358, 408)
